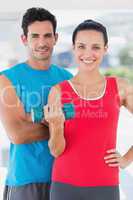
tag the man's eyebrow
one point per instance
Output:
(80, 43)
(47, 34)
(34, 34)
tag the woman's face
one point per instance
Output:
(89, 49)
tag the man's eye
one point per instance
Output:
(34, 36)
(81, 47)
(48, 35)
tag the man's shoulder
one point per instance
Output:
(13, 73)
(11, 69)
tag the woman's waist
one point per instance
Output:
(84, 163)
(85, 173)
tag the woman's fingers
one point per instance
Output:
(113, 159)
(114, 155)
(114, 165)
(46, 112)
(111, 151)
(53, 113)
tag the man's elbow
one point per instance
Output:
(16, 132)
(16, 138)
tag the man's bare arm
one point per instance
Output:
(19, 128)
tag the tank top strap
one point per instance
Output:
(112, 88)
(67, 93)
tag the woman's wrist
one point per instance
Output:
(56, 129)
(125, 161)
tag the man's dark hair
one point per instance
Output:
(90, 25)
(37, 14)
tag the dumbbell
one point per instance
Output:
(37, 113)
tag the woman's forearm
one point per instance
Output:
(128, 157)
(57, 140)
(56, 129)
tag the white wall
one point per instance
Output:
(16, 5)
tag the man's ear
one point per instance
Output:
(56, 37)
(73, 47)
(24, 39)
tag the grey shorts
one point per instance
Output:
(37, 191)
(61, 191)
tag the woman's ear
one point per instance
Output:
(106, 48)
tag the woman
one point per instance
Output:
(82, 169)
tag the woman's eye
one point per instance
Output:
(96, 48)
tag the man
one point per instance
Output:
(23, 87)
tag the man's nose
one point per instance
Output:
(41, 41)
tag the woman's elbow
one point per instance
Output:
(56, 149)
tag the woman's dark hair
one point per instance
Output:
(37, 14)
(90, 25)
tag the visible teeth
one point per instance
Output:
(88, 61)
(42, 50)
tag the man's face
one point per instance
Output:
(40, 40)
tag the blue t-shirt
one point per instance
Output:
(32, 163)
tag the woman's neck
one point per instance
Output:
(84, 78)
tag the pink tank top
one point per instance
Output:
(88, 136)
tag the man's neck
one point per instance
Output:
(40, 65)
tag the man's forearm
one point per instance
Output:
(27, 132)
